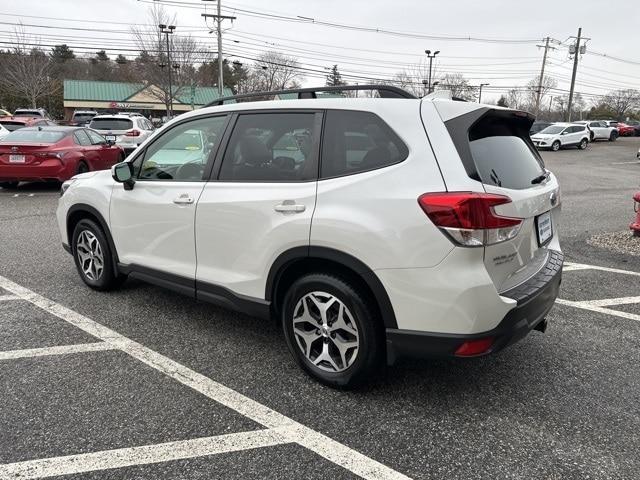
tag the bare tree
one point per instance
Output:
(154, 65)
(515, 99)
(27, 71)
(459, 86)
(281, 72)
(621, 102)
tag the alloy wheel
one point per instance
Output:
(325, 331)
(90, 256)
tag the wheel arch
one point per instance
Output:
(82, 211)
(297, 261)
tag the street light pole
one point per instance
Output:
(480, 93)
(167, 30)
(430, 56)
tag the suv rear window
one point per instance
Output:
(82, 117)
(28, 113)
(502, 152)
(111, 124)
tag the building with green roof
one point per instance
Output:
(137, 97)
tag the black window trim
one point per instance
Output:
(318, 123)
(349, 174)
(212, 156)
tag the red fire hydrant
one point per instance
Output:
(635, 226)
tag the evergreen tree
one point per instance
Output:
(334, 79)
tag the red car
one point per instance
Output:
(53, 153)
(625, 130)
(14, 123)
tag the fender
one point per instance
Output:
(290, 256)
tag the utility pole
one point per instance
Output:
(167, 30)
(576, 54)
(480, 92)
(218, 19)
(430, 56)
(544, 61)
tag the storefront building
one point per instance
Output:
(113, 97)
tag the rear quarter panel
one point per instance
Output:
(374, 216)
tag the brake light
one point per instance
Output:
(469, 218)
(132, 133)
(471, 348)
(58, 155)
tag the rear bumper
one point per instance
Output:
(534, 299)
(47, 170)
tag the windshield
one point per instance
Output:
(553, 129)
(189, 140)
(27, 113)
(11, 126)
(34, 136)
(111, 124)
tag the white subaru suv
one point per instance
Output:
(368, 228)
(125, 130)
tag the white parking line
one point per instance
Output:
(58, 350)
(6, 298)
(569, 266)
(320, 444)
(141, 455)
(589, 305)
(607, 302)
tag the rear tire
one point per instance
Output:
(82, 167)
(583, 144)
(331, 330)
(9, 185)
(93, 257)
(555, 146)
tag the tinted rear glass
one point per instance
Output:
(34, 136)
(111, 124)
(28, 113)
(82, 117)
(11, 126)
(503, 154)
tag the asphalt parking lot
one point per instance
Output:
(143, 383)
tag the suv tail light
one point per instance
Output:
(469, 218)
(132, 133)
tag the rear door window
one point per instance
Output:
(111, 124)
(271, 147)
(82, 138)
(357, 142)
(96, 138)
(502, 154)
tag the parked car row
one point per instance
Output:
(578, 134)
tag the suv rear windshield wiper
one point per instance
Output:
(540, 178)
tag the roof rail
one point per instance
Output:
(385, 91)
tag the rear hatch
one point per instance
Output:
(12, 125)
(29, 147)
(114, 128)
(497, 152)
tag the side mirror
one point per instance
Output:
(563, 133)
(110, 143)
(123, 173)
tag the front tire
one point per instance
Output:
(583, 144)
(9, 185)
(93, 257)
(555, 146)
(331, 330)
(613, 136)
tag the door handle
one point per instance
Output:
(183, 199)
(289, 206)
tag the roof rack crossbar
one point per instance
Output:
(385, 91)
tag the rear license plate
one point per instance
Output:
(544, 227)
(16, 159)
(111, 138)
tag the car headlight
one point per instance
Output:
(65, 186)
